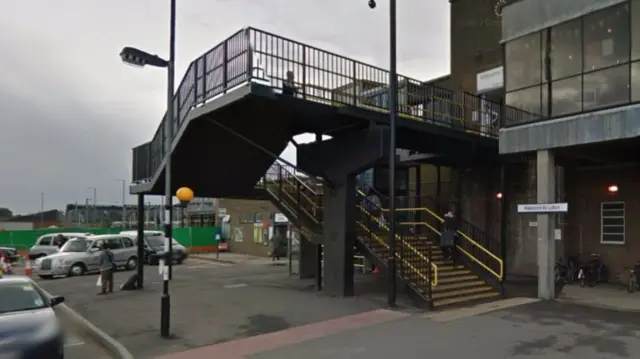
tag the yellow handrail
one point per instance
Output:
(416, 270)
(498, 275)
(463, 235)
(434, 267)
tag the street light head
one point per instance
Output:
(372, 4)
(185, 195)
(131, 56)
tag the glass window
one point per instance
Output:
(606, 37)
(527, 100)
(635, 81)
(606, 88)
(612, 222)
(566, 49)
(566, 96)
(635, 29)
(44, 241)
(127, 242)
(523, 62)
(114, 243)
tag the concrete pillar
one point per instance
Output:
(307, 259)
(546, 176)
(339, 236)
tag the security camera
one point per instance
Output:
(372, 4)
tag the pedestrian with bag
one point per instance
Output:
(107, 267)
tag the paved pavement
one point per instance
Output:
(211, 303)
(78, 346)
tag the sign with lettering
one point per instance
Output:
(543, 208)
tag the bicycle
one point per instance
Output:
(632, 283)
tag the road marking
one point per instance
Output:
(73, 341)
(454, 314)
(239, 285)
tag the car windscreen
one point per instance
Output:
(155, 241)
(18, 297)
(76, 245)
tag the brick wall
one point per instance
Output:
(244, 236)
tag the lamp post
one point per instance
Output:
(393, 112)
(136, 57)
(124, 204)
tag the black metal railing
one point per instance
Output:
(324, 77)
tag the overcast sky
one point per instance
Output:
(71, 111)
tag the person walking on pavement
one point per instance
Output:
(449, 236)
(278, 246)
(106, 269)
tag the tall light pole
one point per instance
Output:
(393, 112)
(95, 201)
(41, 209)
(124, 204)
(138, 57)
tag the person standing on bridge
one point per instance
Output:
(289, 85)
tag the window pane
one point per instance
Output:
(527, 100)
(566, 96)
(615, 238)
(635, 81)
(566, 49)
(612, 229)
(613, 221)
(612, 206)
(523, 62)
(635, 29)
(606, 38)
(606, 88)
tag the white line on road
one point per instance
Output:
(239, 285)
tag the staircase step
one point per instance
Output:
(448, 287)
(461, 292)
(466, 299)
(457, 278)
(453, 273)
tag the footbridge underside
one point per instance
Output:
(233, 115)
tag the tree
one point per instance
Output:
(5, 213)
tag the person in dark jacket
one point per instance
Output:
(449, 237)
(278, 246)
(289, 85)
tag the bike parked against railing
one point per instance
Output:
(592, 271)
(633, 284)
(561, 274)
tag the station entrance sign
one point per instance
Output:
(541, 208)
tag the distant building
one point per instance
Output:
(35, 220)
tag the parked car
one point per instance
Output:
(154, 247)
(29, 327)
(81, 255)
(10, 253)
(49, 243)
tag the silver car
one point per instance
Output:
(82, 255)
(48, 243)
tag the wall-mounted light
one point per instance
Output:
(612, 188)
(499, 195)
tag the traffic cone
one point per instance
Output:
(28, 271)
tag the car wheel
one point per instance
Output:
(132, 263)
(46, 276)
(77, 269)
(180, 261)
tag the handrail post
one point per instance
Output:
(429, 273)
(298, 192)
(225, 62)
(304, 72)
(249, 50)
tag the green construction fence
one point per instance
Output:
(191, 237)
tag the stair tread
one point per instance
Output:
(443, 287)
(460, 292)
(466, 299)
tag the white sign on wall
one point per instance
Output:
(280, 218)
(490, 80)
(543, 208)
